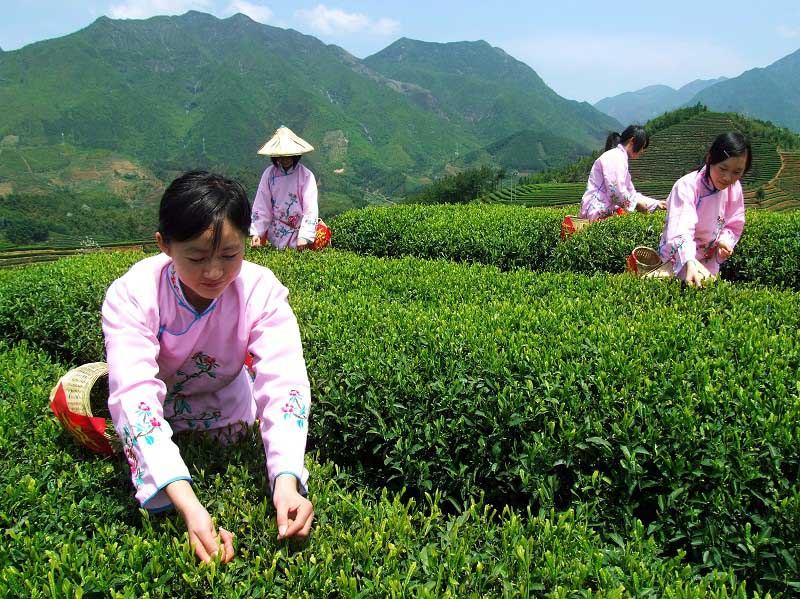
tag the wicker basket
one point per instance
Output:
(572, 224)
(645, 262)
(71, 402)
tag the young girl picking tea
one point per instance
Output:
(197, 339)
(705, 211)
(609, 190)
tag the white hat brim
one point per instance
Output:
(285, 143)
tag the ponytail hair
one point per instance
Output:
(640, 137)
(728, 145)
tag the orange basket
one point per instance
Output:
(323, 237)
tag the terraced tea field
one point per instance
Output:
(772, 183)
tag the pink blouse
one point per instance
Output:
(285, 208)
(698, 218)
(610, 187)
(172, 368)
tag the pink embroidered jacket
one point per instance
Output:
(173, 369)
(610, 187)
(698, 218)
(285, 207)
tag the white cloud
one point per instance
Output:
(384, 26)
(788, 32)
(142, 9)
(257, 12)
(334, 21)
(587, 66)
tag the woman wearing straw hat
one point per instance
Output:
(285, 211)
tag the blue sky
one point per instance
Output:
(584, 50)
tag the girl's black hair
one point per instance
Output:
(640, 137)
(728, 145)
(197, 201)
(295, 160)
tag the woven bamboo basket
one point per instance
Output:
(646, 262)
(572, 224)
(83, 405)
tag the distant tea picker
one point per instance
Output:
(609, 190)
(285, 209)
(610, 187)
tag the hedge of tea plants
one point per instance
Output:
(624, 400)
(71, 529)
(513, 237)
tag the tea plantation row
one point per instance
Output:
(70, 529)
(512, 237)
(623, 400)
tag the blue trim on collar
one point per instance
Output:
(184, 303)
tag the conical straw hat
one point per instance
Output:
(285, 143)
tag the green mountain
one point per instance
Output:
(175, 92)
(642, 105)
(771, 93)
(170, 93)
(527, 151)
(488, 92)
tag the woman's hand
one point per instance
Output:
(255, 241)
(202, 535)
(302, 244)
(294, 512)
(724, 250)
(696, 273)
(643, 206)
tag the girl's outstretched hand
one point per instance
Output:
(202, 535)
(696, 273)
(724, 251)
(294, 512)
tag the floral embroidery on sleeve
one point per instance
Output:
(145, 426)
(295, 408)
(674, 249)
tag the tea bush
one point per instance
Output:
(623, 399)
(513, 237)
(70, 529)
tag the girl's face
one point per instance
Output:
(726, 173)
(631, 153)
(286, 162)
(204, 273)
